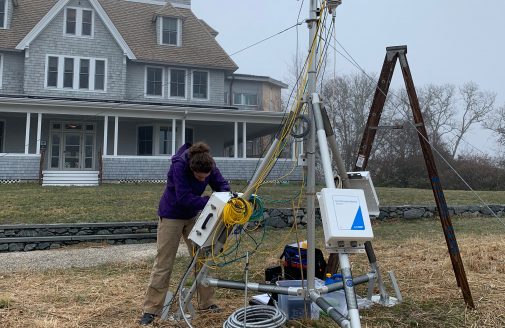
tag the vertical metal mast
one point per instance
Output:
(311, 149)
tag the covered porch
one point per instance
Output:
(127, 142)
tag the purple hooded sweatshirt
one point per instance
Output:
(182, 197)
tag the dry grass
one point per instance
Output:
(111, 296)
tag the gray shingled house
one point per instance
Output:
(114, 87)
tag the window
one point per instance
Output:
(2, 132)
(189, 135)
(178, 83)
(79, 22)
(3, 13)
(52, 72)
(248, 99)
(200, 85)
(165, 140)
(170, 31)
(71, 21)
(87, 22)
(76, 73)
(100, 75)
(68, 76)
(145, 140)
(154, 81)
(84, 74)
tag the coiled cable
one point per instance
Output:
(258, 206)
(258, 316)
(236, 211)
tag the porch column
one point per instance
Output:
(116, 133)
(39, 128)
(244, 140)
(105, 134)
(235, 140)
(173, 135)
(27, 133)
(183, 132)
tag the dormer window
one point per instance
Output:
(3, 13)
(170, 31)
(79, 22)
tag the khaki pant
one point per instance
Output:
(169, 235)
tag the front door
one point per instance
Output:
(72, 146)
(72, 151)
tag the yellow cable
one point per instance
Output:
(236, 211)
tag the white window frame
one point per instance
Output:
(179, 32)
(78, 23)
(163, 83)
(2, 145)
(77, 62)
(242, 94)
(1, 69)
(208, 84)
(170, 83)
(6, 20)
(154, 135)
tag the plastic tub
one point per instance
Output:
(295, 307)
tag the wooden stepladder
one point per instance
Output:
(392, 55)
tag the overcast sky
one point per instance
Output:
(448, 41)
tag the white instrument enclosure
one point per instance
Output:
(362, 180)
(345, 217)
(210, 217)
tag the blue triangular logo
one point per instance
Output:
(358, 223)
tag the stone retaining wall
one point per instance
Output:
(50, 236)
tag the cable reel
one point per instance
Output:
(301, 122)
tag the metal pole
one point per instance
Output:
(310, 151)
(345, 264)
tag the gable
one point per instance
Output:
(57, 8)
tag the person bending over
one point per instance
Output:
(192, 169)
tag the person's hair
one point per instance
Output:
(200, 159)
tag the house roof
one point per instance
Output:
(259, 78)
(134, 22)
(24, 17)
(135, 27)
(212, 31)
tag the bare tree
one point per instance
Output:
(496, 123)
(476, 105)
(348, 99)
(439, 110)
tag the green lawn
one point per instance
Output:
(30, 203)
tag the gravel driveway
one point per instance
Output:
(78, 257)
